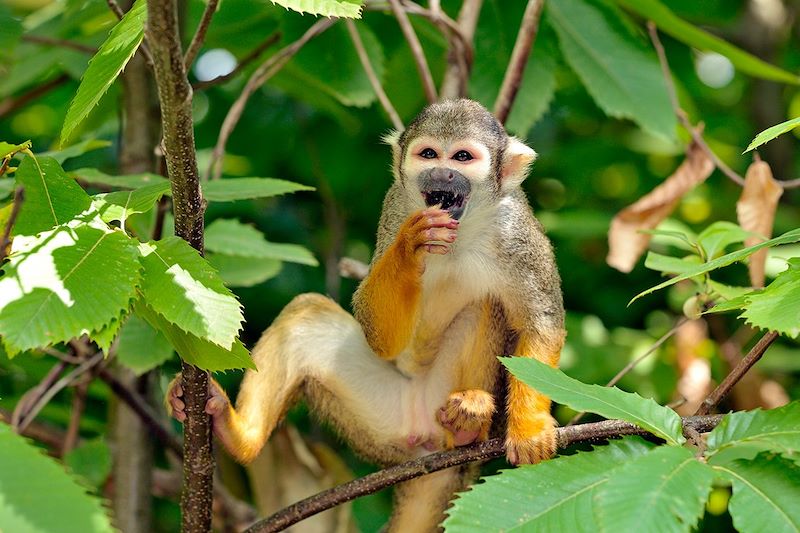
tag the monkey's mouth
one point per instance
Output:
(450, 201)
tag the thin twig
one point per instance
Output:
(34, 394)
(240, 66)
(519, 59)
(200, 33)
(11, 104)
(75, 415)
(5, 242)
(264, 72)
(416, 50)
(372, 76)
(737, 373)
(459, 64)
(114, 6)
(61, 43)
(631, 365)
(119, 13)
(593, 432)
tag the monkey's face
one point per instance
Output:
(446, 173)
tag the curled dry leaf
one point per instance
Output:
(625, 242)
(756, 213)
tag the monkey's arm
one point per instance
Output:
(387, 301)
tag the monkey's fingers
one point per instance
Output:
(467, 416)
(174, 400)
(436, 217)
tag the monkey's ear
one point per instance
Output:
(392, 138)
(516, 162)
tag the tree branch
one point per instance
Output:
(737, 373)
(373, 78)
(459, 65)
(61, 43)
(264, 72)
(416, 50)
(5, 242)
(240, 66)
(593, 432)
(200, 33)
(519, 59)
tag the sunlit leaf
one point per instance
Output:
(27, 475)
(7, 149)
(92, 176)
(183, 288)
(623, 76)
(51, 198)
(228, 190)
(777, 307)
(555, 495)
(669, 264)
(719, 235)
(609, 402)
(141, 347)
(755, 211)
(62, 283)
(231, 237)
(105, 66)
(122, 204)
(668, 487)
(326, 8)
(770, 133)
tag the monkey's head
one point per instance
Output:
(456, 154)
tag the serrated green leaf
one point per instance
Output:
(122, 204)
(728, 292)
(238, 271)
(669, 264)
(62, 283)
(51, 198)
(725, 260)
(775, 430)
(667, 487)
(7, 149)
(777, 306)
(229, 190)
(765, 494)
(609, 402)
(106, 335)
(231, 237)
(621, 75)
(77, 149)
(196, 351)
(326, 8)
(92, 176)
(141, 347)
(719, 235)
(555, 495)
(678, 28)
(91, 460)
(770, 133)
(26, 475)
(183, 288)
(105, 66)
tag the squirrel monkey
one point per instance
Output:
(462, 273)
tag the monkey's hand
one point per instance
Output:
(429, 230)
(530, 439)
(217, 404)
(466, 417)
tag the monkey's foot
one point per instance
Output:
(466, 417)
(216, 404)
(531, 440)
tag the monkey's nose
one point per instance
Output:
(443, 174)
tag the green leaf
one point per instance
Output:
(104, 336)
(7, 149)
(555, 495)
(229, 190)
(183, 288)
(141, 347)
(669, 264)
(622, 76)
(6, 186)
(770, 133)
(728, 292)
(719, 235)
(196, 351)
(51, 198)
(38, 496)
(105, 66)
(92, 176)
(238, 271)
(326, 8)
(231, 237)
(76, 150)
(609, 402)
(725, 260)
(122, 204)
(765, 494)
(777, 306)
(775, 430)
(678, 28)
(9, 37)
(72, 280)
(91, 460)
(667, 488)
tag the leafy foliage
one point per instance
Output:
(27, 475)
(606, 401)
(142, 347)
(92, 176)
(327, 8)
(777, 307)
(122, 204)
(249, 188)
(775, 430)
(770, 133)
(231, 237)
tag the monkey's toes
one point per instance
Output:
(216, 405)
(467, 416)
(531, 450)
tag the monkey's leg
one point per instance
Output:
(316, 347)
(530, 435)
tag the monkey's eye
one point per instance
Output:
(428, 153)
(462, 155)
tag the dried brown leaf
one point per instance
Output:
(756, 213)
(625, 243)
